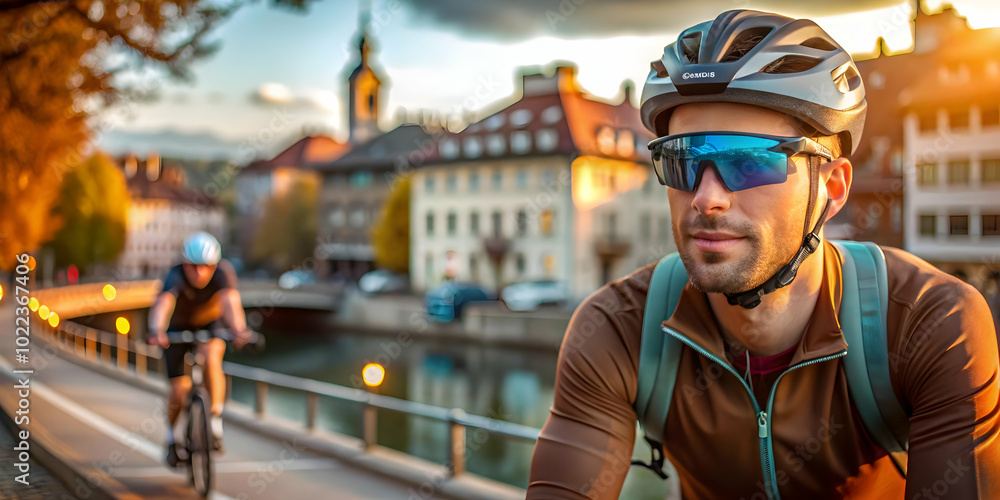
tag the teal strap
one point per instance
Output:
(659, 355)
(864, 329)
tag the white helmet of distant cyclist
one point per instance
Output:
(202, 248)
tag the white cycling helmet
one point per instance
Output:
(202, 248)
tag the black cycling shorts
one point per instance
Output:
(173, 356)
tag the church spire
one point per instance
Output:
(364, 86)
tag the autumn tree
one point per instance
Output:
(56, 80)
(391, 233)
(93, 208)
(286, 235)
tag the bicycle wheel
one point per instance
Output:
(200, 445)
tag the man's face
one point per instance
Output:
(199, 275)
(733, 241)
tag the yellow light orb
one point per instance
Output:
(33, 304)
(109, 292)
(1, 292)
(31, 262)
(374, 374)
(53, 320)
(43, 312)
(122, 325)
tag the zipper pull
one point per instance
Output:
(762, 424)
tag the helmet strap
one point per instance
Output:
(810, 242)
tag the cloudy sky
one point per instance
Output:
(279, 73)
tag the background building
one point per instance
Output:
(551, 186)
(162, 213)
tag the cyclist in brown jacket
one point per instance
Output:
(754, 112)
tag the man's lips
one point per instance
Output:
(715, 241)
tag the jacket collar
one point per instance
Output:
(694, 319)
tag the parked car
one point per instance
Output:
(296, 278)
(383, 281)
(446, 301)
(529, 295)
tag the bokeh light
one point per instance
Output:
(109, 292)
(374, 374)
(43, 312)
(122, 325)
(33, 304)
(53, 320)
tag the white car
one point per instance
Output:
(296, 278)
(383, 281)
(529, 295)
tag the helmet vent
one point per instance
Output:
(690, 44)
(846, 78)
(659, 68)
(818, 43)
(745, 42)
(790, 64)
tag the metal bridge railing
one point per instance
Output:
(113, 350)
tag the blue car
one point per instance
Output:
(445, 302)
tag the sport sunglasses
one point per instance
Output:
(742, 160)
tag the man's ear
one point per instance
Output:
(836, 176)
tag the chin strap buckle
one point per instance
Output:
(655, 460)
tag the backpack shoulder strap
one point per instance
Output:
(863, 313)
(659, 356)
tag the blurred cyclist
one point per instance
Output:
(755, 114)
(197, 294)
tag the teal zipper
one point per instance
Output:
(763, 420)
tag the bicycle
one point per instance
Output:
(198, 438)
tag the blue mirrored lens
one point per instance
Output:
(742, 162)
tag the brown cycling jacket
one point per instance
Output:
(943, 364)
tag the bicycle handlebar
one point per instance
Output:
(256, 339)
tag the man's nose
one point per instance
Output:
(711, 196)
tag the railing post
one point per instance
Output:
(261, 402)
(91, 345)
(140, 359)
(105, 349)
(456, 443)
(122, 353)
(312, 401)
(369, 426)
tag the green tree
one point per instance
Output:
(93, 208)
(391, 234)
(286, 235)
(55, 80)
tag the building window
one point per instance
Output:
(449, 149)
(430, 224)
(548, 178)
(361, 180)
(357, 217)
(928, 225)
(520, 117)
(520, 142)
(520, 264)
(546, 139)
(497, 180)
(645, 226)
(522, 222)
(606, 141)
(958, 173)
(473, 267)
(473, 147)
(551, 114)
(522, 179)
(959, 225)
(337, 217)
(429, 184)
(451, 183)
(989, 116)
(958, 119)
(612, 226)
(545, 222)
(429, 265)
(896, 213)
(495, 145)
(927, 174)
(474, 223)
(626, 143)
(991, 225)
(452, 223)
(497, 224)
(991, 171)
(474, 182)
(550, 264)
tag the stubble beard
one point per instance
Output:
(717, 272)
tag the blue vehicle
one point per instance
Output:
(446, 301)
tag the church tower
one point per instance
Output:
(363, 93)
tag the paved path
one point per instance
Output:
(113, 432)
